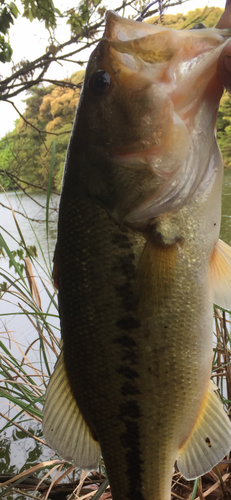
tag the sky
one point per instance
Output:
(29, 41)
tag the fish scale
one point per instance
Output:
(115, 277)
(127, 348)
(120, 412)
(139, 264)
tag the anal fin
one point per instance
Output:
(220, 267)
(64, 428)
(209, 441)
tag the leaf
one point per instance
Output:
(52, 164)
(14, 9)
(194, 491)
(101, 490)
(5, 50)
(11, 257)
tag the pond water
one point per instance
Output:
(18, 452)
(33, 231)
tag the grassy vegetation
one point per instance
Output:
(25, 370)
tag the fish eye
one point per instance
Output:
(99, 82)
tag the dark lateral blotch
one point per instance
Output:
(125, 341)
(130, 440)
(129, 389)
(128, 323)
(130, 356)
(127, 372)
(130, 409)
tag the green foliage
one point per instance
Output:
(43, 10)
(25, 153)
(19, 257)
(8, 12)
(80, 16)
(7, 15)
(78, 19)
(208, 16)
(5, 50)
(224, 128)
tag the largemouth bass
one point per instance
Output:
(139, 263)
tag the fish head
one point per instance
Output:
(146, 119)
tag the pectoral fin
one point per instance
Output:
(220, 266)
(64, 427)
(209, 441)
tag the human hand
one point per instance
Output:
(224, 62)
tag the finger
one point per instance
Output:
(225, 20)
(224, 67)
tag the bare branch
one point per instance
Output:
(18, 181)
(33, 126)
(22, 214)
(43, 62)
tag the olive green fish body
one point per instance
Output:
(103, 338)
(129, 348)
(138, 259)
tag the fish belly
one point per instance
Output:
(137, 345)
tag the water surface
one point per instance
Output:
(18, 451)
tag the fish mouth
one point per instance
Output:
(155, 114)
(158, 61)
(145, 54)
(158, 44)
(181, 65)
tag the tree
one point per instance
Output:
(25, 153)
(224, 128)
(85, 21)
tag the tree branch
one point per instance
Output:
(33, 126)
(46, 59)
(17, 180)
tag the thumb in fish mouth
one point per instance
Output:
(224, 62)
(224, 67)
